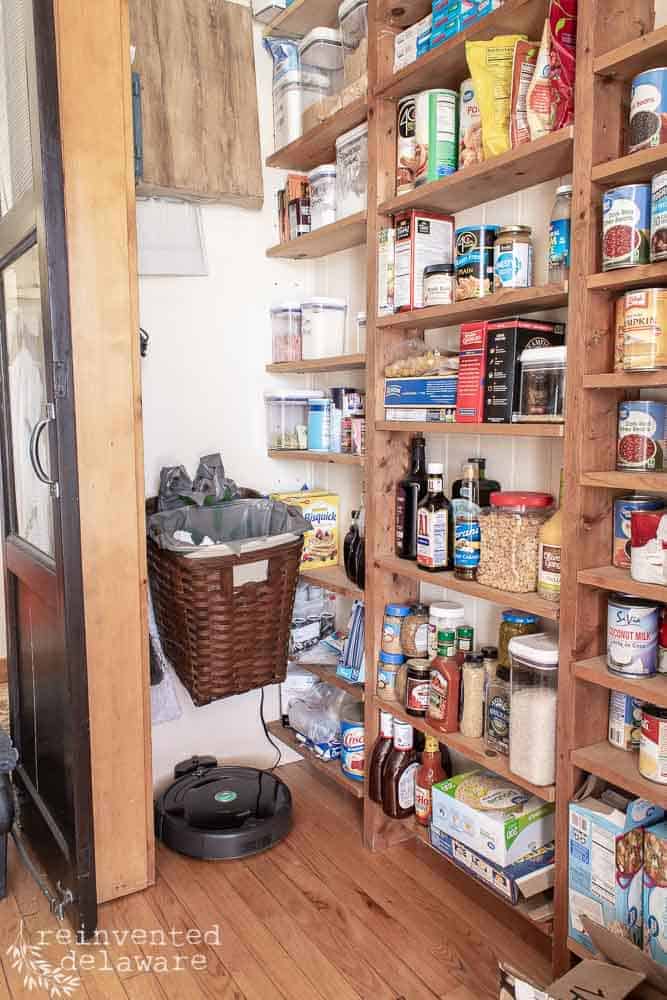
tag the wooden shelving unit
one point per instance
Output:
(620, 768)
(302, 15)
(341, 235)
(329, 769)
(632, 168)
(334, 579)
(613, 480)
(318, 145)
(483, 430)
(328, 673)
(612, 578)
(626, 380)
(341, 363)
(642, 276)
(595, 671)
(328, 457)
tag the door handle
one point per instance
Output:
(35, 461)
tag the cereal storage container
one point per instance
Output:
(323, 327)
(352, 171)
(322, 181)
(287, 418)
(542, 392)
(293, 92)
(323, 49)
(286, 331)
(353, 21)
(534, 682)
(509, 540)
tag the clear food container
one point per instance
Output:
(293, 92)
(287, 418)
(286, 332)
(352, 171)
(322, 181)
(322, 48)
(509, 531)
(542, 396)
(323, 327)
(353, 21)
(534, 682)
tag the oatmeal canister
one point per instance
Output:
(641, 435)
(645, 329)
(653, 744)
(659, 217)
(648, 109)
(473, 261)
(632, 636)
(623, 509)
(626, 225)
(406, 145)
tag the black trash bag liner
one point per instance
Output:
(209, 487)
(231, 523)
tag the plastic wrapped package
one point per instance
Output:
(229, 525)
(352, 171)
(210, 485)
(421, 362)
(318, 713)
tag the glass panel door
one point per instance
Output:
(16, 176)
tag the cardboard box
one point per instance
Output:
(434, 390)
(422, 414)
(321, 545)
(498, 820)
(472, 373)
(654, 893)
(505, 341)
(606, 858)
(405, 42)
(386, 282)
(422, 238)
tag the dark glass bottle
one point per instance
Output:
(409, 494)
(434, 519)
(381, 750)
(360, 552)
(486, 486)
(349, 547)
(398, 776)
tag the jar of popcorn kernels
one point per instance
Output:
(509, 531)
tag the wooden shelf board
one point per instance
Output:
(484, 430)
(579, 950)
(446, 65)
(626, 380)
(474, 750)
(620, 768)
(329, 457)
(341, 235)
(523, 602)
(328, 673)
(329, 769)
(625, 61)
(528, 164)
(302, 15)
(655, 482)
(613, 578)
(642, 276)
(318, 144)
(594, 671)
(634, 168)
(340, 363)
(505, 303)
(334, 579)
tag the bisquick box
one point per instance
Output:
(505, 341)
(655, 893)
(422, 414)
(435, 390)
(526, 878)
(412, 43)
(320, 509)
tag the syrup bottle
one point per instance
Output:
(381, 750)
(398, 776)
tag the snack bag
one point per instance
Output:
(523, 68)
(563, 26)
(490, 65)
(541, 108)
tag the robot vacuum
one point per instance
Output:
(220, 813)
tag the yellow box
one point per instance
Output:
(320, 546)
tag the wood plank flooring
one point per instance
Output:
(316, 918)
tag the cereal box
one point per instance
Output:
(655, 892)
(320, 509)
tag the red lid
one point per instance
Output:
(519, 498)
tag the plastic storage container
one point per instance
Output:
(353, 21)
(358, 344)
(293, 92)
(534, 680)
(319, 424)
(542, 395)
(352, 171)
(323, 328)
(286, 332)
(322, 48)
(509, 531)
(287, 418)
(322, 181)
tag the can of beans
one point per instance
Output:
(406, 145)
(659, 216)
(473, 262)
(641, 435)
(623, 509)
(645, 329)
(653, 744)
(648, 109)
(626, 226)
(632, 636)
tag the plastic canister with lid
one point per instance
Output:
(442, 615)
(323, 49)
(319, 425)
(534, 682)
(352, 171)
(293, 92)
(353, 21)
(286, 332)
(323, 327)
(322, 183)
(287, 418)
(353, 743)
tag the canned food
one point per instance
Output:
(653, 744)
(648, 109)
(659, 216)
(619, 334)
(625, 720)
(647, 552)
(626, 224)
(436, 132)
(513, 258)
(352, 751)
(406, 146)
(623, 509)
(632, 636)
(641, 435)
(473, 262)
(645, 329)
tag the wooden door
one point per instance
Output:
(41, 531)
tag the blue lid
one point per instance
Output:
(397, 610)
(519, 617)
(397, 658)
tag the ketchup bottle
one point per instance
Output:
(443, 707)
(381, 750)
(428, 775)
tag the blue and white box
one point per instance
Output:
(655, 893)
(434, 390)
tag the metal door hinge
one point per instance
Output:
(57, 905)
(137, 128)
(60, 380)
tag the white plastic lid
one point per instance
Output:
(326, 170)
(294, 395)
(324, 303)
(280, 307)
(362, 317)
(348, 6)
(315, 36)
(564, 189)
(540, 649)
(447, 611)
(435, 469)
(543, 355)
(352, 135)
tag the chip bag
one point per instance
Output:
(523, 68)
(541, 108)
(490, 65)
(563, 27)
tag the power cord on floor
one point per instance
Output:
(268, 735)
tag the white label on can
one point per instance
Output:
(513, 264)
(406, 787)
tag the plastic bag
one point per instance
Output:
(210, 486)
(563, 26)
(523, 68)
(231, 524)
(540, 102)
(318, 713)
(490, 65)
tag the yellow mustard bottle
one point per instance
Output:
(548, 560)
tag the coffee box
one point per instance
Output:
(505, 341)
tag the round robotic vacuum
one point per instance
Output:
(219, 813)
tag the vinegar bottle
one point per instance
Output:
(398, 776)
(428, 775)
(409, 494)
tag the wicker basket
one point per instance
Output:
(223, 639)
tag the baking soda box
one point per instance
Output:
(320, 509)
(655, 893)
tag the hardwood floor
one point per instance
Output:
(315, 918)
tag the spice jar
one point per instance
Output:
(418, 677)
(512, 624)
(439, 285)
(391, 627)
(490, 659)
(534, 679)
(498, 704)
(509, 531)
(513, 258)
(442, 616)
(389, 665)
(414, 632)
(472, 719)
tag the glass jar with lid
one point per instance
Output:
(542, 392)
(512, 624)
(513, 258)
(509, 531)
(439, 285)
(534, 683)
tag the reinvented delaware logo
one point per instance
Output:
(38, 974)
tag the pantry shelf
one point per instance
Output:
(654, 482)
(329, 768)
(484, 430)
(334, 579)
(446, 65)
(522, 602)
(626, 380)
(318, 145)
(633, 169)
(613, 578)
(474, 750)
(505, 303)
(594, 671)
(528, 164)
(579, 950)
(341, 235)
(302, 15)
(620, 768)
(642, 276)
(329, 457)
(340, 363)
(326, 672)
(625, 61)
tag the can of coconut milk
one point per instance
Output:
(632, 636)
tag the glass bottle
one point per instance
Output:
(498, 704)
(559, 235)
(466, 525)
(349, 547)
(550, 541)
(486, 486)
(433, 524)
(398, 774)
(409, 494)
(430, 773)
(360, 552)
(381, 751)
(443, 707)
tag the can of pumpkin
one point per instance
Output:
(645, 329)
(641, 435)
(626, 226)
